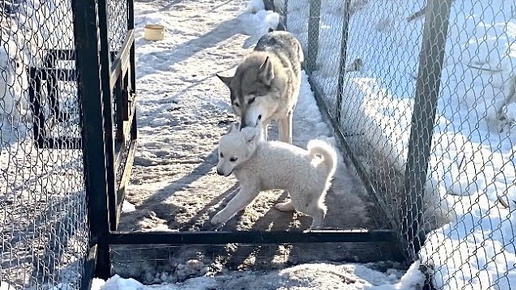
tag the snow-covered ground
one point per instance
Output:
(472, 167)
(302, 277)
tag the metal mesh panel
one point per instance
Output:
(117, 23)
(473, 163)
(424, 92)
(43, 223)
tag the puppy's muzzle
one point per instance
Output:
(221, 173)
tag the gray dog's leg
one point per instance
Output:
(285, 128)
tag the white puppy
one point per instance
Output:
(259, 165)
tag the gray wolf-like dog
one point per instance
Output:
(266, 83)
(260, 165)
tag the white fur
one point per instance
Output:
(262, 165)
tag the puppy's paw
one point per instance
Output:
(285, 206)
(313, 228)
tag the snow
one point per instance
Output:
(305, 276)
(128, 207)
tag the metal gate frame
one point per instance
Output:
(108, 150)
(105, 79)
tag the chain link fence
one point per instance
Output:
(45, 167)
(116, 12)
(43, 214)
(424, 94)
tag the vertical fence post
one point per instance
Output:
(132, 61)
(342, 60)
(313, 35)
(268, 5)
(285, 14)
(423, 118)
(90, 93)
(107, 99)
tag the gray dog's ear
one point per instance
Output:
(266, 73)
(225, 80)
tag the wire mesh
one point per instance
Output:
(463, 201)
(154, 264)
(117, 16)
(43, 222)
(117, 24)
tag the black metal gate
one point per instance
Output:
(107, 90)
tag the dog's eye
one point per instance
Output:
(251, 100)
(221, 155)
(233, 159)
(237, 105)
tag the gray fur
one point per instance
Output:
(266, 84)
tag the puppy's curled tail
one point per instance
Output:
(327, 151)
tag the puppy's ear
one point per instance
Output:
(266, 72)
(225, 80)
(250, 135)
(233, 128)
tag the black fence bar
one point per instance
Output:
(38, 126)
(52, 76)
(94, 151)
(59, 74)
(89, 268)
(285, 14)
(313, 35)
(343, 58)
(132, 72)
(107, 94)
(61, 54)
(423, 120)
(60, 142)
(52, 86)
(131, 87)
(250, 237)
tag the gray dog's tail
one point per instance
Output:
(320, 147)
